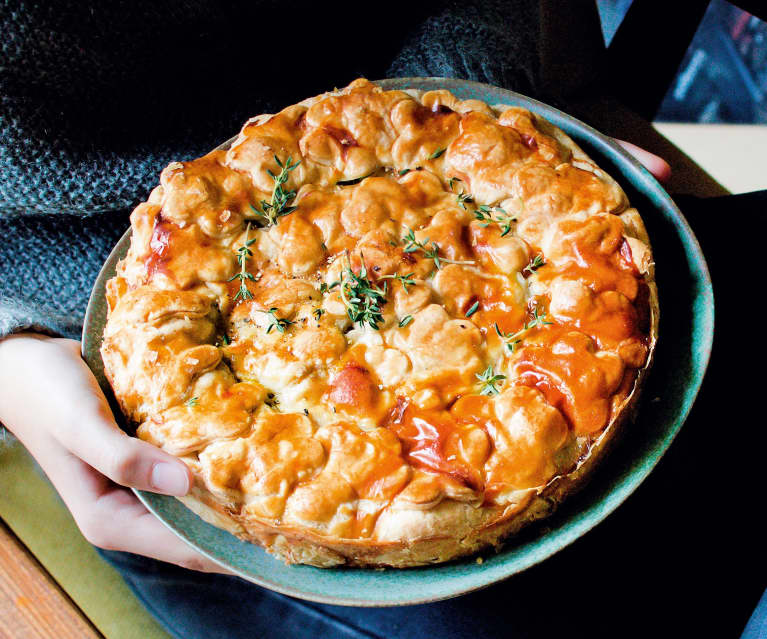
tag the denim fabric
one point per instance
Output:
(757, 625)
(684, 557)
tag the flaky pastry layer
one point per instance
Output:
(383, 327)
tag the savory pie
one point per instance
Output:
(383, 327)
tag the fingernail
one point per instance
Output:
(170, 479)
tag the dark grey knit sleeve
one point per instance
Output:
(48, 264)
(475, 40)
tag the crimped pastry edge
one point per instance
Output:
(294, 546)
(321, 551)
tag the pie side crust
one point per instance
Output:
(518, 322)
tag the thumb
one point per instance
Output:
(126, 460)
(88, 430)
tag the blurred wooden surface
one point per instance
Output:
(35, 515)
(32, 606)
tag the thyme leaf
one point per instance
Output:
(326, 288)
(279, 323)
(362, 297)
(463, 198)
(511, 340)
(412, 245)
(243, 255)
(489, 381)
(534, 264)
(495, 215)
(407, 280)
(278, 206)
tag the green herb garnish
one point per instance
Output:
(474, 308)
(363, 299)
(510, 340)
(279, 323)
(326, 288)
(489, 381)
(243, 255)
(407, 280)
(412, 245)
(192, 402)
(278, 207)
(535, 264)
(405, 321)
(438, 153)
(495, 215)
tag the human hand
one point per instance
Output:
(50, 400)
(654, 164)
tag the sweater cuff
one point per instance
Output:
(17, 315)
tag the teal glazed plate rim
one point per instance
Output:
(682, 355)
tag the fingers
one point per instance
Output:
(112, 518)
(77, 415)
(149, 537)
(51, 401)
(653, 163)
(125, 460)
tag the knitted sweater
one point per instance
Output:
(97, 99)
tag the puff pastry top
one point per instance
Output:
(334, 431)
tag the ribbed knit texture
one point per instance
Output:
(96, 98)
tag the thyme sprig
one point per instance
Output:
(438, 153)
(326, 288)
(486, 214)
(489, 381)
(534, 264)
(406, 280)
(362, 297)
(192, 402)
(243, 255)
(511, 340)
(412, 245)
(278, 206)
(495, 215)
(279, 323)
(463, 198)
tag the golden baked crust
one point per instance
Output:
(404, 368)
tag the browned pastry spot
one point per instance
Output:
(510, 340)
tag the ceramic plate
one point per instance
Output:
(686, 334)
